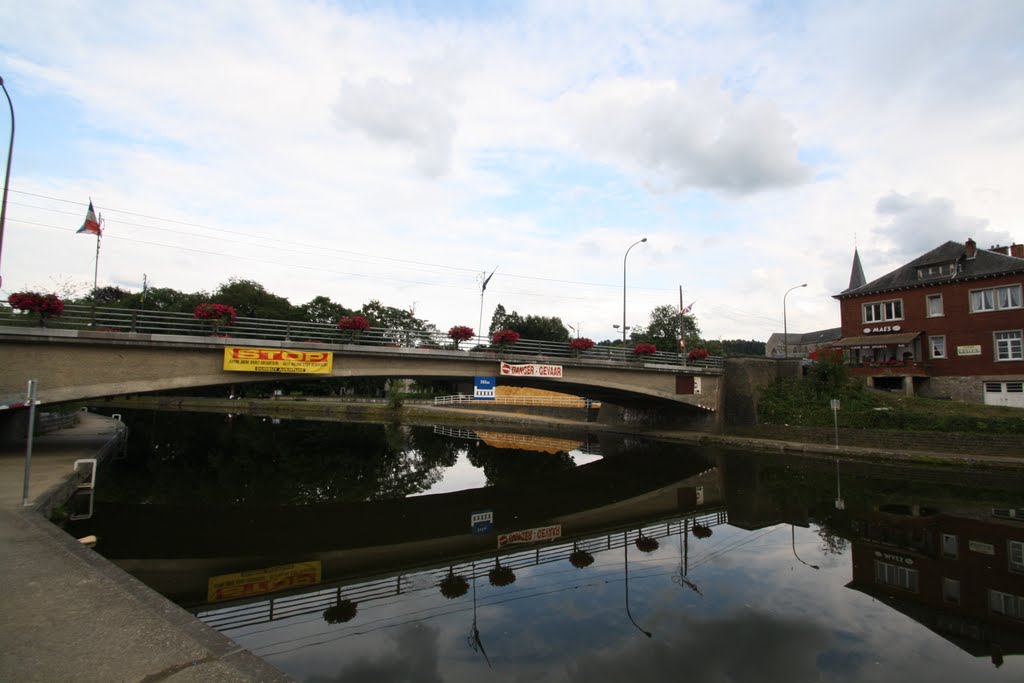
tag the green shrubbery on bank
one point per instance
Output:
(806, 402)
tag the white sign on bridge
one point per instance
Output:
(531, 370)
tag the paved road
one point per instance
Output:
(68, 614)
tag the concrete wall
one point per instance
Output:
(742, 382)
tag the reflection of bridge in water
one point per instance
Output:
(526, 442)
(315, 600)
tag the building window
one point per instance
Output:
(1008, 345)
(938, 346)
(951, 590)
(1015, 550)
(1007, 604)
(895, 575)
(925, 272)
(882, 311)
(995, 299)
(949, 546)
(933, 305)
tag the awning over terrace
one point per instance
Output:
(877, 341)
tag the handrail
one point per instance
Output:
(102, 319)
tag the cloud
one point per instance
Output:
(737, 647)
(680, 138)
(405, 114)
(915, 224)
(417, 664)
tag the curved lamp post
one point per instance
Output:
(625, 555)
(785, 330)
(7, 177)
(624, 288)
(792, 535)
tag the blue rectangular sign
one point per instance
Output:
(482, 522)
(483, 388)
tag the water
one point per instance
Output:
(366, 529)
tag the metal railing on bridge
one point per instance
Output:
(103, 319)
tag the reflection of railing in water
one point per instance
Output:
(525, 441)
(318, 600)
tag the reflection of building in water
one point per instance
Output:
(961, 574)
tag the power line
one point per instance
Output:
(249, 237)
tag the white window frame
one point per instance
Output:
(1008, 348)
(928, 313)
(937, 346)
(1001, 298)
(1015, 556)
(886, 311)
(1006, 604)
(896, 576)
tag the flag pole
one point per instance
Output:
(96, 267)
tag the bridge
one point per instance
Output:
(92, 352)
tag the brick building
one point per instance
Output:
(949, 324)
(960, 573)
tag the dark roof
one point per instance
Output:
(857, 278)
(821, 336)
(984, 264)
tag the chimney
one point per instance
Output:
(971, 249)
(1017, 250)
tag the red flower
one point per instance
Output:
(698, 354)
(219, 313)
(581, 344)
(461, 333)
(505, 337)
(356, 323)
(644, 349)
(46, 305)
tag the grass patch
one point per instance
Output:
(805, 402)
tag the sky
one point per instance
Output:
(405, 151)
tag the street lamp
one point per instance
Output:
(624, 289)
(792, 535)
(625, 557)
(7, 177)
(785, 330)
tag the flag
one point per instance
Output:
(687, 309)
(91, 225)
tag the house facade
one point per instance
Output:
(949, 324)
(799, 344)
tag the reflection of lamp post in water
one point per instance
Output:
(680, 576)
(792, 534)
(625, 555)
(840, 503)
(474, 636)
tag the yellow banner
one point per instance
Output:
(249, 359)
(260, 581)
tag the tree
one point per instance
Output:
(537, 327)
(106, 296)
(322, 310)
(663, 330)
(251, 300)
(402, 325)
(173, 301)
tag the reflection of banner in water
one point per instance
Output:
(527, 442)
(260, 581)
